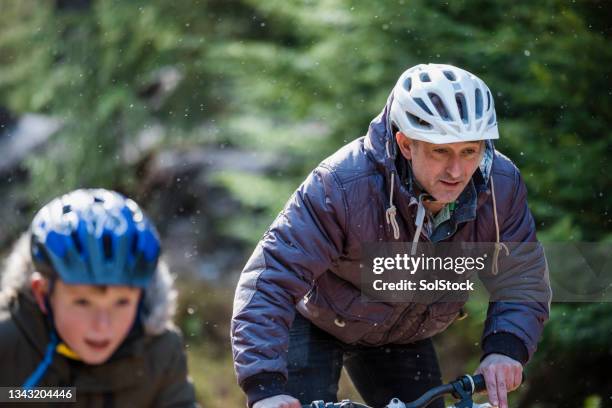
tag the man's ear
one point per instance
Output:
(40, 288)
(405, 145)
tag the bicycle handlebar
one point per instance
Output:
(462, 388)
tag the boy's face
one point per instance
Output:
(93, 320)
(444, 170)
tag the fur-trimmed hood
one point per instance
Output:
(159, 297)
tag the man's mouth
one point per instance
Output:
(97, 344)
(450, 183)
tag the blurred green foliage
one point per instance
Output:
(299, 78)
(98, 69)
(547, 63)
(302, 77)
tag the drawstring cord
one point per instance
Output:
(420, 218)
(498, 245)
(391, 212)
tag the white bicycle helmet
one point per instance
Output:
(440, 103)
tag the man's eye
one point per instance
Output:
(440, 151)
(81, 302)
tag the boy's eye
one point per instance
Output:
(440, 151)
(123, 302)
(81, 302)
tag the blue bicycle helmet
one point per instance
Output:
(94, 237)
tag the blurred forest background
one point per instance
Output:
(210, 113)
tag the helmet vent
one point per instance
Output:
(488, 100)
(408, 84)
(478, 96)
(424, 77)
(66, 209)
(461, 105)
(76, 242)
(420, 102)
(107, 246)
(491, 119)
(450, 75)
(439, 105)
(418, 122)
(134, 246)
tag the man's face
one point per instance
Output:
(93, 321)
(444, 170)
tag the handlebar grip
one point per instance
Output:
(479, 383)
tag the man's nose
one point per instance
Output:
(454, 168)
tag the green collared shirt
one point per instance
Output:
(443, 215)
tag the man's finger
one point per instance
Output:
(491, 382)
(518, 378)
(502, 389)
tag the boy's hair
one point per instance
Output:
(159, 297)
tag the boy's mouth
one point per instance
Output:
(97, 344)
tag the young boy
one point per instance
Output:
(85, 304)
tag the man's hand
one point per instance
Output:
(278, 401)
(502, 375)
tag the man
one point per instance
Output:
(426, 170)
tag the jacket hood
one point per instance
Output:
(159, 298)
